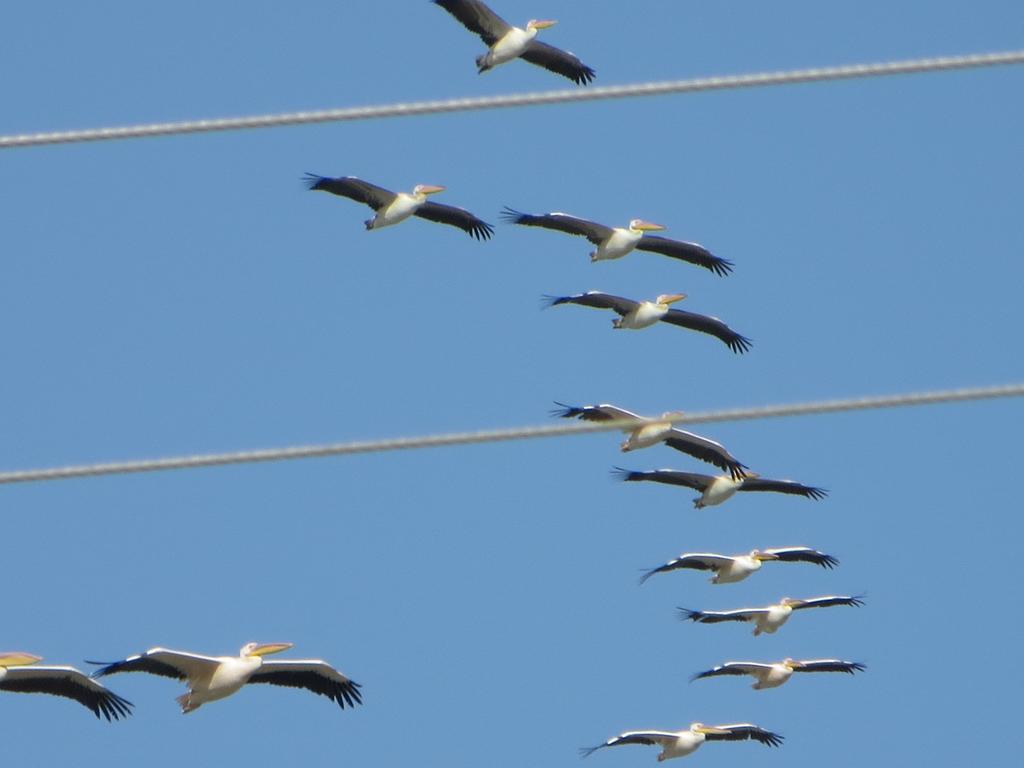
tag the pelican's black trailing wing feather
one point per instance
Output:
(685, 251)
(456, 217)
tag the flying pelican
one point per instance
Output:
(714, 490)
(771, 617)
(648, 432)
(640, 314)
(17, 674)
(682, 743)
(729, 570)
(775, 674)
(506, 42)
(215, 677)
(394, 207)
(616, 242)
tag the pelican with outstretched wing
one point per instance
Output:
(646, 432)
(616, 242)
(506, 42)
(641, 314)
(769, 618)
(394, 207)
(716, 489)
(211, 678)
(728, 569)
(774, 674)
(685, 742)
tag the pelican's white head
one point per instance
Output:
(639, 225)
(263, 649)
(18, 659)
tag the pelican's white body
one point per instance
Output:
(619, 243)
(647, 435)
(646, 313)
(771, 676)
(509, 47)
(770, 621)
(686, 743)
(721, 489)
(213, 683)
(401, 208)
(737, 570)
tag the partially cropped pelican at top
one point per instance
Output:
(716, 489)
(641, 314)
(769, 618)
(506, 42)
(392, 207)
(685, 742)
(647, 432)
(728, 569)
(215, 677)
(774, 674)
(616, 242)
(21, 673)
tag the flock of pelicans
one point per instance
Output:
(612, 243)
(725, 569)
(210, 678)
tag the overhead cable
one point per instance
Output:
(409, 109)
(498, 435)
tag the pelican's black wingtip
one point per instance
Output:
(481, 230)
(584, 76)
(740, 344)
(313, 180)
(564, 411)
(511, 215)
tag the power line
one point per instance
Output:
(409, 109)
(498, 435)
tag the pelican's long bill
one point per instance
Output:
(265, 649)
(18, 659)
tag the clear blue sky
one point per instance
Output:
(186, 294)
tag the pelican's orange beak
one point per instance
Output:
(265, 649)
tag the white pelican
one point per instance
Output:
(730, 569)
(215, 677)
(20, 673)
(776, 673)
(682, 743)
(506, 42)
(650, 431)
(641, 314)
(394, 207)
(714, 490)
(616, 242)
(771, 617)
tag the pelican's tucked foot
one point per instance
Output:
(185, 702)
